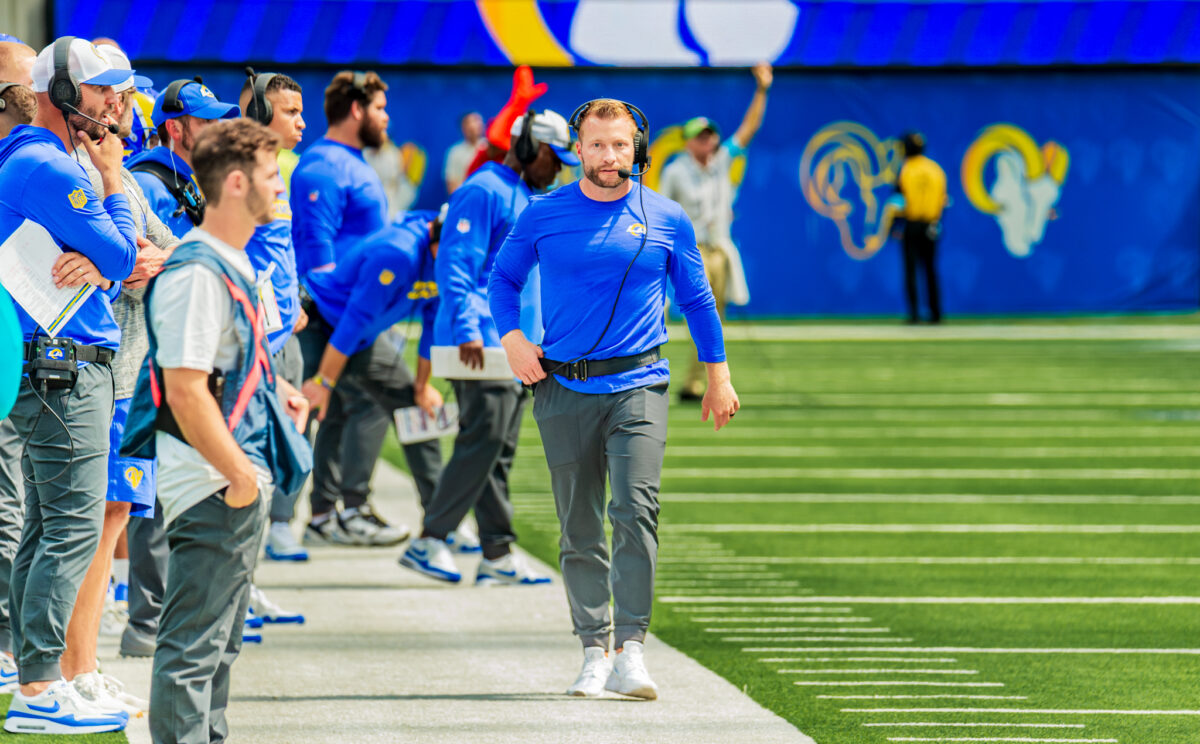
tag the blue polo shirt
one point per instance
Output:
(39, 181)
(381, 281)
(583, 247)
(337, 200)
(272, 243)
(162, 203)
(481, 214)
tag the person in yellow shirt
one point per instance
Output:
(922, 184)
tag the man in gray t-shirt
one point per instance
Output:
(701, 181)
(460, 156)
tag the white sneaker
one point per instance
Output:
(116, 615)
(109, 693)
(464, 539)
(8, 674)
(629, 675)
(60, 709)
(596, 669)
(282, 545)
(431, 557)
(262, 606)
(365, 527)
(511, 569)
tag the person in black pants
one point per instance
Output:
(922, 183)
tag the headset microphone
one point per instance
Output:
(623, 173)
(113, 128)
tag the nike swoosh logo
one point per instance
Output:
(418, 553)
(7, 675)
(510, 574)
(43, 708)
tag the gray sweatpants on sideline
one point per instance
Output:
(476, 477)
(12, 497)
(214, 549)
(63, 516)
(148, 553)
(624, 436)
(289, 364)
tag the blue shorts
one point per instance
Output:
(130, 479)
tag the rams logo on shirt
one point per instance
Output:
(282, 210)
(637, 230)
(133, 476)
(386, 277)
(77, 198)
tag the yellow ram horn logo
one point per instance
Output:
(134, 475)
(1027, 184)
(842, 167)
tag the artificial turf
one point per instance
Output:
(924, 466)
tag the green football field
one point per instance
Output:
(981, 532)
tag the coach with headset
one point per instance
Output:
(606, 249)
(65, 402)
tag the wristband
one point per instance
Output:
(320, 380)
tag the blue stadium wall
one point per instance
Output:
(1069, 131)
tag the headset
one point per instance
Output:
(4, 87)
(526, 147)
(359, 83)
(641, 138)
(259, 108)
(171, 103)
(65, 94)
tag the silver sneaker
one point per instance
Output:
(597, 668)
(365, 527)
(629, 675)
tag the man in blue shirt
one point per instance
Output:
(480, 215)
(606, 248)
(384, 280)
(271, 254)
(180, 113)
(337, 200)
(66, 452)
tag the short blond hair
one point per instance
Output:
(607, 109)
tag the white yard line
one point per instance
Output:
(791, 452)
(964, 672)
(934, 529)
(895, 683)
(973, 650)
(984, 724)
(742, 497)
(965, 560)
(742, 474)
(779, 619)
(846, 659)
(933, 600)
(1001, 739)
(922, 697)
(797, 630)
(1027, 711)
(813, 639)
(758, 610)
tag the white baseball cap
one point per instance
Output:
(86, 63)
(120, 61)
(551, 128)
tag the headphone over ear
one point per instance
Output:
(4, 87)
(64, 88)
(641, 138)
(171, 102)
(526, 147)
(259, 108)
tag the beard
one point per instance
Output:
(187, 139)
(259, 207)
(93, 130)
(371, 134)
(604, 181)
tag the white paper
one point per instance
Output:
(272, 320)
(446, 364)
(26, 261)
(414, 425)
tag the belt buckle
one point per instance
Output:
(579, 370)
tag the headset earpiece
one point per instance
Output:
(64, 89)
(4, 87)
(526, 148)
(171, 102)
(259, 108)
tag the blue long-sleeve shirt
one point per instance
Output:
(161, 201)
(272, 243)
(583, 247)
(384, 279)
(481, 214)
(39, 181)
(337, 200)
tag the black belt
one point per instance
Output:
(97, 354)
(585, 368)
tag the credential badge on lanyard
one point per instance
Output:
(272, 320)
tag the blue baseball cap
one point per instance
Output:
(194, 99)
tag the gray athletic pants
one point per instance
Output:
(476, 477)
(63, 515)
(148, 553)
(214, 549)
(289, 364)
(621, 435)
(349, 440)
(12, 495)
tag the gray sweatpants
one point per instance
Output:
(63, 514)
(489, 426)
(147, 573)
(289, 363)
(586, 437)
(12, 497)
(214, 549)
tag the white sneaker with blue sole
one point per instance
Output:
(431, 557)
(282, 544)
(60, 709)
(8, 674)
(464, 539)
(511, 570)
(271, 613)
